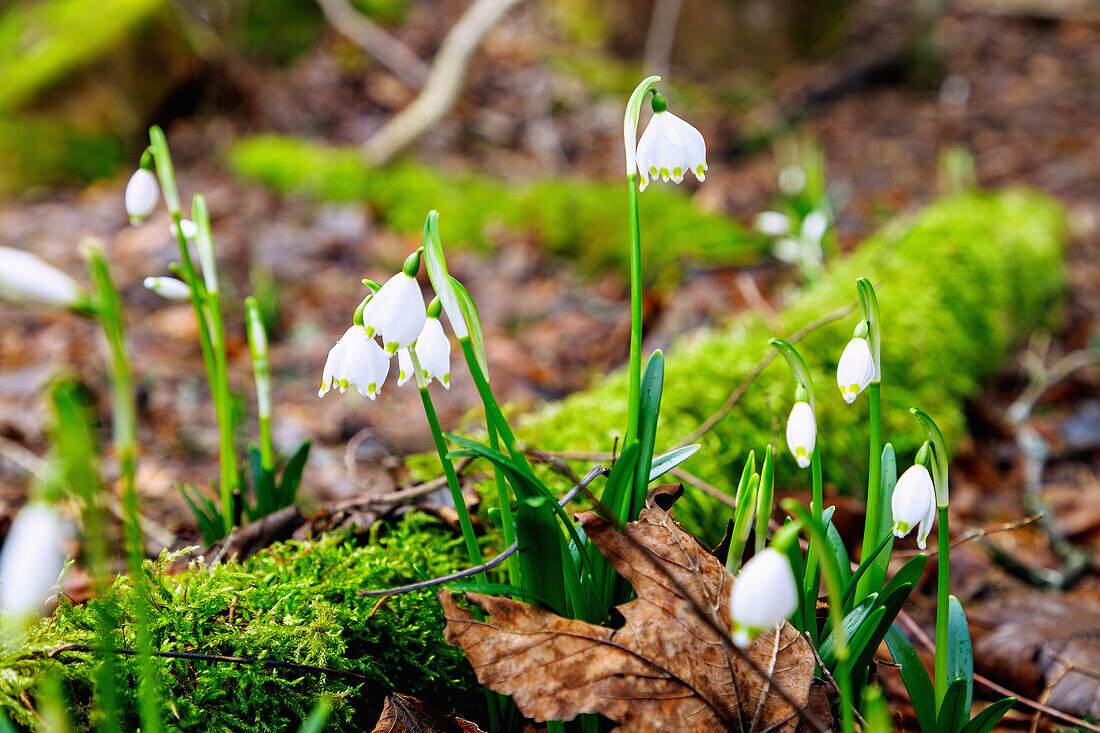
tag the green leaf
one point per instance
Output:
(877, 572)
(798, 567)
(649, 408)
(292, 474)
(915, 678)
(473, 320)
(798, 367)
(840, 553)
(317, 719)
(960, 655)
(876, 712)
(496, 589)
(665, 462)
(852, 622)
(441, 280)
(891, 604)
(939, 455)
(616, 495)
(764, 498)
(908, 575)
(853, 579)
(540, 552)
(953, 716)
(985, 721)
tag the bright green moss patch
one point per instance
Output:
(960, 285)
(581, 220)
(294, 602)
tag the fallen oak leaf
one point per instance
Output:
(407, 714)
(666, 669)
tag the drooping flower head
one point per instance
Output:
(855, 370)
(31, 560)
(433, 352)
(669, 148)
(168, 287)
(802, 433)
(913, 503)
(355, 361)
(142, 195)
(763, 595)
(27, 280)
(396, 312)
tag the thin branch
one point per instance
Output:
(829, 676)
(443, 84)
(581, 486)
(661, 36)
(383, 47)
(717, 417)
(973, 534)
(401, 496)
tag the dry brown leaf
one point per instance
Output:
(666, 669)
(406, 714)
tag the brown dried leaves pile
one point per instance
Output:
(666, 669)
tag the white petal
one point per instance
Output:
(397, 312)
(142, 195)
(404, 367)
(32, 558)
(855, 370)
(189, 228)
(669, 148)
(792, 179)
(168, 287)
(27, 280)
(802, 433)
(772, 223)
(927, 521)
(433, 349)
(764, 594)
(365, 364)
(913, 499)
(814, 226)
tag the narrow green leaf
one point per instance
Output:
(876, 712)
(648, 410)
(876, 575)
(960, 654)
(665, 462)
(853, 581)
(497, 589)
(764, 498)
(852, 622)
(952, 716)
(540, 552)
(840, 552)
(987, 719)
(317, 719)
(292, 474)
(915, 678)
(891, 605)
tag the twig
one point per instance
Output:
(581, 486)
(973, 534)
(717, 417)
(706, 488)
(369, 36)
(746, 285)
(661, 36)
(443, 84)
(989, 684)
(272, 663)
(829, 676)
(401, 496)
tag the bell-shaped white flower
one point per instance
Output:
(433, 350)
(763, 595)
(142, 195)
(405, 369)
(27, 280)
(802, 433)
(913, 503)
(31, 560)
(396, 313)
(855, 370)
(168, 287)
(355, 361)
(669, 148)
(772, 223)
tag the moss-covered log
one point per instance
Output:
(960, 285)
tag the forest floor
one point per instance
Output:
(1023, 96)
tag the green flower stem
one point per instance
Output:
(448, 469)
(943, 593)
(493, 412)
(261, 373)
(124, 415)
(811, 582)
(504, 500)
(635, 369)
(873, 516)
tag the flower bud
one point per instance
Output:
(763, 595)
(189, 229)
(168, 287)
(27, 280)
(855, 370)
(142, 195)
(31, 560)
(913, 503)
(801, 433)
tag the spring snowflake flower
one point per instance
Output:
(802, 433)
(855, 370)
(772, 223)
(669, 148)
(168, 287)
(355, 361)
(142, 195)
(396, 313)
(189, 229)
(763, 595)
(27, 280)
(814, 226)
(31, 560)
(913, 503)
(433, 351)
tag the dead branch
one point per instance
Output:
(443, 83)
(369, 36)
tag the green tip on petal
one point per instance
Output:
(391, 348)
(447, 378)
(401, 374)
(344, 384)
(800, 451)
(903, 527)
(372, 387)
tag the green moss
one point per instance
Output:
(35, 151)
(41, 42)
(581, 220)
(960, 285)
(292, 602)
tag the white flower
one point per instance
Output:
(396, 313)
(433, 349)
(814, 226)
(31, 560)
(669, 148)
(27, 280)
(355, 361)
(801, 433)
(914, 502)
(405, 370)
(788, 250)
(792, 179)
(855, 370)
(168, 287)
(142, 195)
(772, 223)
(763, 596)
(189, 228)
